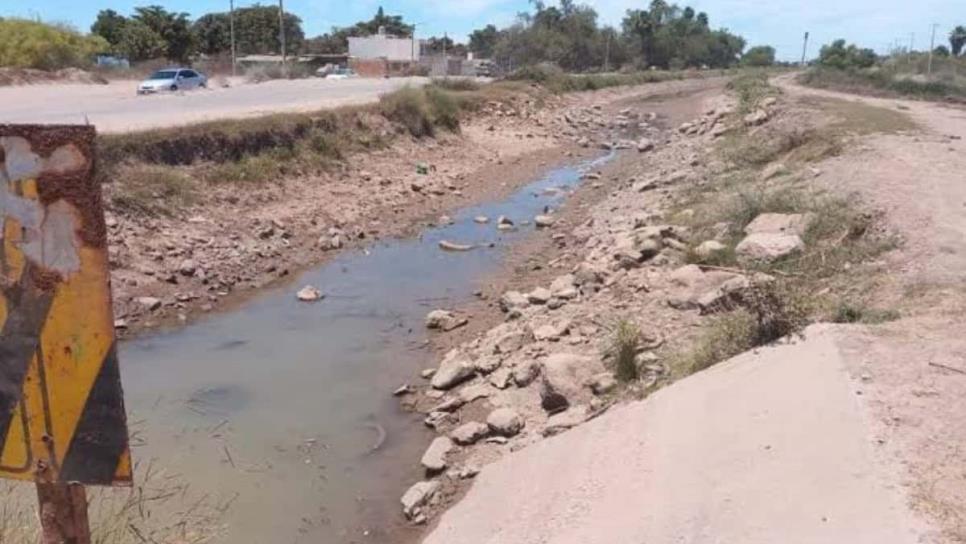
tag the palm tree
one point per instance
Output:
(957, 40)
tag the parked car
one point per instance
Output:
(173, 79)
(341, 73)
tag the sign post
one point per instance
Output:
(62, 419)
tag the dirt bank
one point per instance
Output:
(764, 213)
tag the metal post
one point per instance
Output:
(281, 28)
(63, 514)
(231, 24)
(932, 45)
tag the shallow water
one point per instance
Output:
(278, 405)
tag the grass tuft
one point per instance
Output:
(625, 344)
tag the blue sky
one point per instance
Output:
(872, 23)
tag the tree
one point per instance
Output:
(213, 33)
(670, 37)
(139, 42)
(109, 25)
(941, 51)
(32, 44)
(483, 41)
(256, 31)
(762, 55)
(173, 28)
(841, 56)
(957, 40)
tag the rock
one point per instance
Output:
(588, 274)
(723, 297)
(418, 495)
(787, 223)
(718, 129)
(687, 275)
(469, 471)
(453, 370)
(149, 303)
(434, 460)
(403, 389)
(769, 246)
(709, 248)
(446, 245)
(524, 373)
(486, 364)
(644, 144)
(501, 378)
(510, 342)
(559, 423)
(120, 324)
(188, 267)
(756, 118)
(469, 433)
(773, 170)
(444, 320)
(551, 331)
(474, 392)
(513, 300)
(649, 248)
(481, 219)
(540, 295)
(308, 294)
(504, 220)
(417, 186)
(564, 287)
(505, 422)
(543, 221)
(427, 373)
(565, 380)
(769, 102)
(603, 383)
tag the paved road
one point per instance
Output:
(117, 108)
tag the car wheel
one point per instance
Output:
(203, 85)
(174, 87)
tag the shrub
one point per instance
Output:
(456, 84)
(409, 107)
(625, 342)
(32, 44)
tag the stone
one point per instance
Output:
(588, 274)
(687, 275)
(149, 303)
(427, 373)
(564, 287)
(402, 390)
(486, 364)
(551, 331)
(718, 129)
(469, 433)
(417, 496)
(769, 246)
(501, 378)
(469, 471)
(481, 219)
(724, 296)
(453, 370)
(565, 380)
(709, 249)
(644, 144)
(543, 221)
(524, 373)
(510, 342)
(513, 300)
(540, 295)
(444, 320)
(434, 460)
(447, 245)
(188, 267)
(603, 383)
(787, 223)
(774, 169)
(505, 422)
(562, 421)
(308, 294)
(756, 118)
(504, 220)
(769, 102)
(474, 392)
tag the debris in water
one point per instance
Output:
(446, 245)
(308, 294)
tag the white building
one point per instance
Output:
(382, 46)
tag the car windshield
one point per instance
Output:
(163, 74)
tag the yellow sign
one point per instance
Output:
(61, 407)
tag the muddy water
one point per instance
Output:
(279, 407)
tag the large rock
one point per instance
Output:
(562, 421)
(511, 341)
(308, 294)
(709, 249)
(543, 221)
(564, 287)
(434, 460)
(540, 295)
(417, 496)
(513, 300)
(455, 369)
(444, 320)
(784, 223)
(644, 144)
(505, 422)
(524, 373)
(769, 246)
(469, 433)
(756, 118)
(566, 378)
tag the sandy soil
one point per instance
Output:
(115, 107)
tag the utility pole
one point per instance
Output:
(281, 28)
(607, 54)
(912, 41)
(231, 25)
(804, 49)
(932, 45)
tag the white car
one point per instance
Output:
(341, 73)
(173, 79)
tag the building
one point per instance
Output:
(382, 55)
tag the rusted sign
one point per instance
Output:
(61, 408)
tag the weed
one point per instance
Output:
(456, 84)
(851, 312)
(751, 87)
(727, 336)
(152, 190)
(884, 82)
(625, 343)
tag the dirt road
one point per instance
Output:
(116, 107)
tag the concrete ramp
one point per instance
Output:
(770, 447)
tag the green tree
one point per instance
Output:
(841, 56)
(109, 25)
(256, 32)
(957, 40)
(213, 33)
(32, 44)
(762, 55)
(483, 41)
(173, 28)
(941, 51)
(139, 42)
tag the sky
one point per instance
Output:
(781, 23)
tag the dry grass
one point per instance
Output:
(624, 346)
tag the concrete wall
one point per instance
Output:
(387, 47)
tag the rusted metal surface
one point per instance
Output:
(63, 514)
(61, 407)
